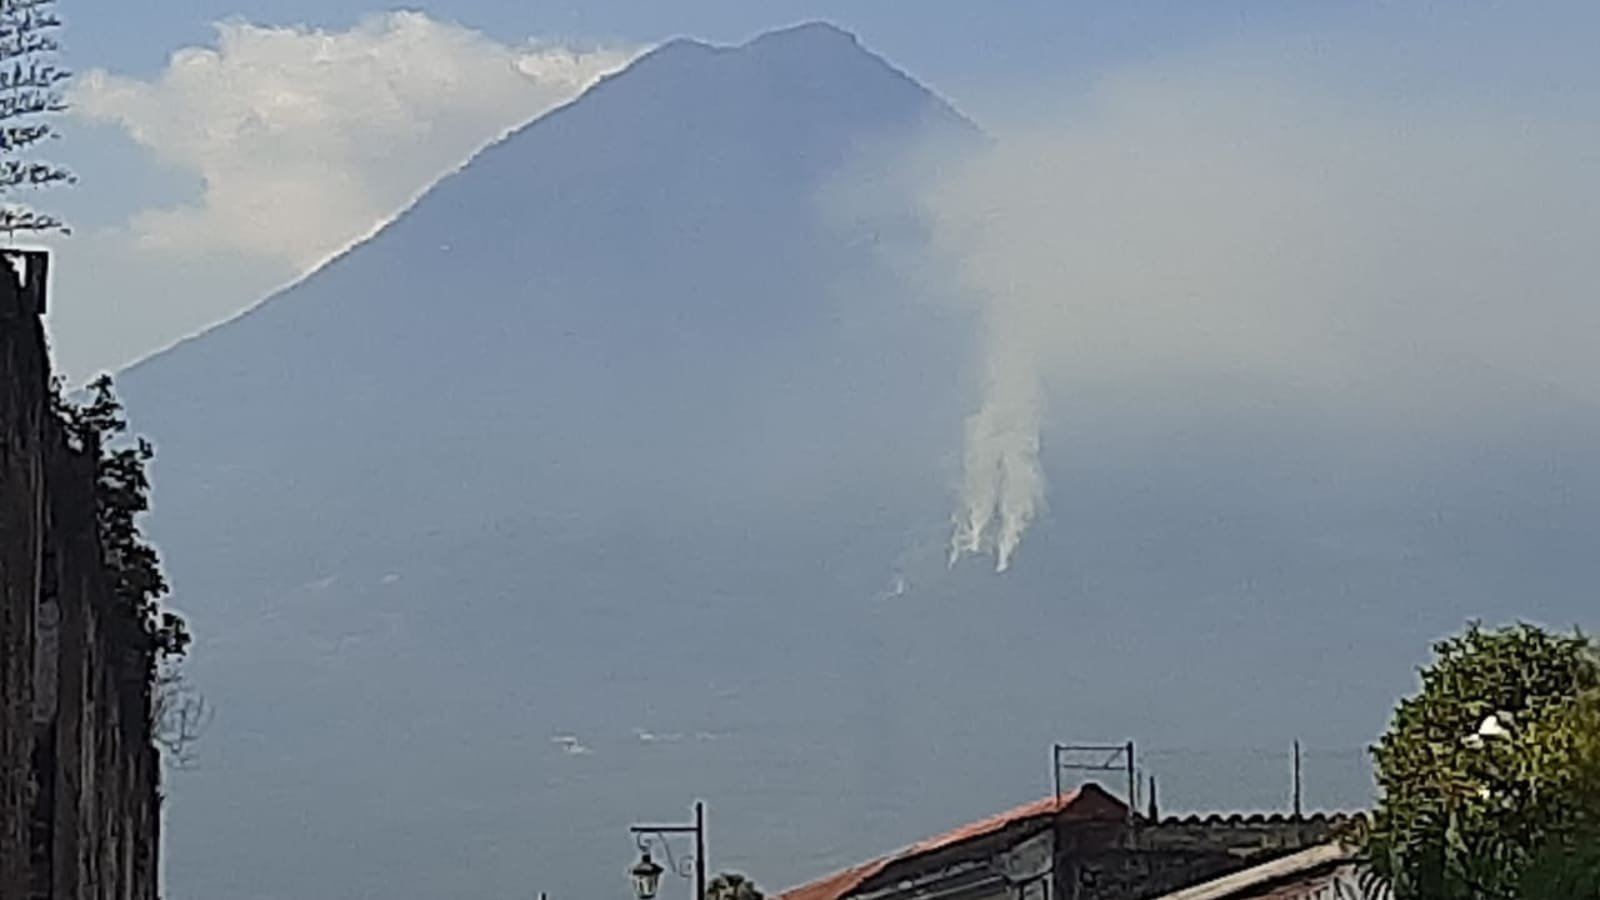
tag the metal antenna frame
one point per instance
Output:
(1117, 758)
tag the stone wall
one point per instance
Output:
(79, 772)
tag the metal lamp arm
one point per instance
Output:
(691, 866)
(648, 839)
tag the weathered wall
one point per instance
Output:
(79, 812)
(1158, 858)
(23, 376)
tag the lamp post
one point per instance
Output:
(646, 873)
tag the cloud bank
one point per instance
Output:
(303, 141)
(1344, 242)
(307, 139)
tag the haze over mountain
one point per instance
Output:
(617, 472)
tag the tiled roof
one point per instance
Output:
(1087, 802)
(1213, 819)
(839, 884)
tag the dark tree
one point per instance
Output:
(122, 495)
(179, 714)
(733, 886)
(30, 93)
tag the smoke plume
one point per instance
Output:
(1299, 230)
(1003, 483)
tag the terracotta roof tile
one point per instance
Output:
(1087, 802)
(1258, 818)
(839, 884)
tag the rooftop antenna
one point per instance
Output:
(1097, 758)
(1297, 807)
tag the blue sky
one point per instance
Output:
(1026, 38)
(121, 299)
(961, 47)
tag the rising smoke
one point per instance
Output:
(1333, 243)
(1003, 485)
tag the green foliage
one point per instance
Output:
(122, 494)
(1568, 865)
(733, 886)
(30, 92)
(1488, 776)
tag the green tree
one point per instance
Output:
(733, 886)
(1567, 865)
(30, 92)
(122, 496)
(1486, 776)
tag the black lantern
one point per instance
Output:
(646, 877)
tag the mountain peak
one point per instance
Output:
(811, 34)
(812, 47)
(813, 70)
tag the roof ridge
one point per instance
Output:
(844, 882)
(1257, 818)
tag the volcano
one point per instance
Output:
(598, 440)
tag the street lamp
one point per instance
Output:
(646, 877)
(647, 872)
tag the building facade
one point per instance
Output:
(79, 772)
(1082, 845)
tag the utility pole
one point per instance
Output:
(1297, 808)
(699, 850)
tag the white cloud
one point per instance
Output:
(307, 139)
(1345, 243)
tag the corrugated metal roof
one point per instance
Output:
(1292, 876)
(1087, 802)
